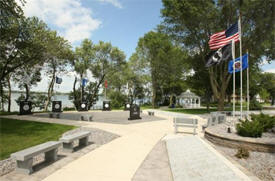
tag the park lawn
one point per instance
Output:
(190, 111)
(16, 135)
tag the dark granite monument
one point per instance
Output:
(83, 106)
(56, 106)
(25, 107)
(106, 106)
(127, 106)
(134, 112)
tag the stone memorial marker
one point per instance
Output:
(106, 106)
(127, 106)
(134, 112)
(83, 106)
(57, 106)
(25, 107)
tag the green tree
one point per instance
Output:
(58, 55)
(268, 83)
(162, 61)
(192, 22)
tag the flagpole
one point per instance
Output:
(234, 78)
(247, 77)
(241, 64)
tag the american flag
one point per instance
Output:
(225, 37)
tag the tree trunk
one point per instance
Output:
(9, 94)
(273, 100)
(2, 97)
(76, 104)
(27, 92)
(50, 91)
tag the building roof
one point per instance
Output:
(188, 94)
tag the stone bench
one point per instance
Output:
(86, 117)
(67, 141)
(24, 158)
(185, 122)
(215, 119)
(151, 113)
(54, 114)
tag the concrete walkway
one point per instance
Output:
(119, 159)
(194, 160)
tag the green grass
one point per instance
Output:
(16, 135)
(8, 113)
(190, 111)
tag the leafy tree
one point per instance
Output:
(101, 59)
(268, 83)
(58, 54)
(162, 61)
(192, 22)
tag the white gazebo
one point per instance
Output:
(189, 99)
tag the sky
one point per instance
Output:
(121, 22)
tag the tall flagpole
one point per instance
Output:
(247, 77)
(241, 65)
(234, 92)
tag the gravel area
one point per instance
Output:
(97, 138)
(260, 164)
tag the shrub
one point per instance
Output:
(68, 109)
(255, 105)
(242, 153)
(267, 122)
(117, 99)
(248, 128)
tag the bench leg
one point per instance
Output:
(24, 166)
(194, 131)
(68, 147)
(176, 129)
(58, 116)
(51, 155)
(83, 141)
(51, 115)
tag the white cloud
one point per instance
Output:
(73, 20)
(115, 3)
(270, 70)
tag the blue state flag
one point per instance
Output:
(84, 82)
(237, 64)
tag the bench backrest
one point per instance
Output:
(35, 150)
(185, 121)
(72, 137)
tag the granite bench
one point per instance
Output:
(185, 122)
(67, 141)
(54, 114)
(215, 119)
(86, 117)
(151, 113)
(24, 158)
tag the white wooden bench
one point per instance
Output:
(67, 141)
(151, 113)
(185, 122)
(54, 114)
(24, 158)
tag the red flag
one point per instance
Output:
(105, 83)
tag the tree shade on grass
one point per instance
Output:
(16, 135)
(191, 111)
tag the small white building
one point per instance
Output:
(189, 99)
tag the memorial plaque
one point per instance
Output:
(134, 112)
(127, 106)
(25, 107)
(83, 106)
(56, 106)
(106, 106)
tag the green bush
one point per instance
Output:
(255, 105)
(68, 109)
(242, 153)
(117, 99)
(267, 122)
(248, 128)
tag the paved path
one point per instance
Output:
(119, 159)
(193, 160)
